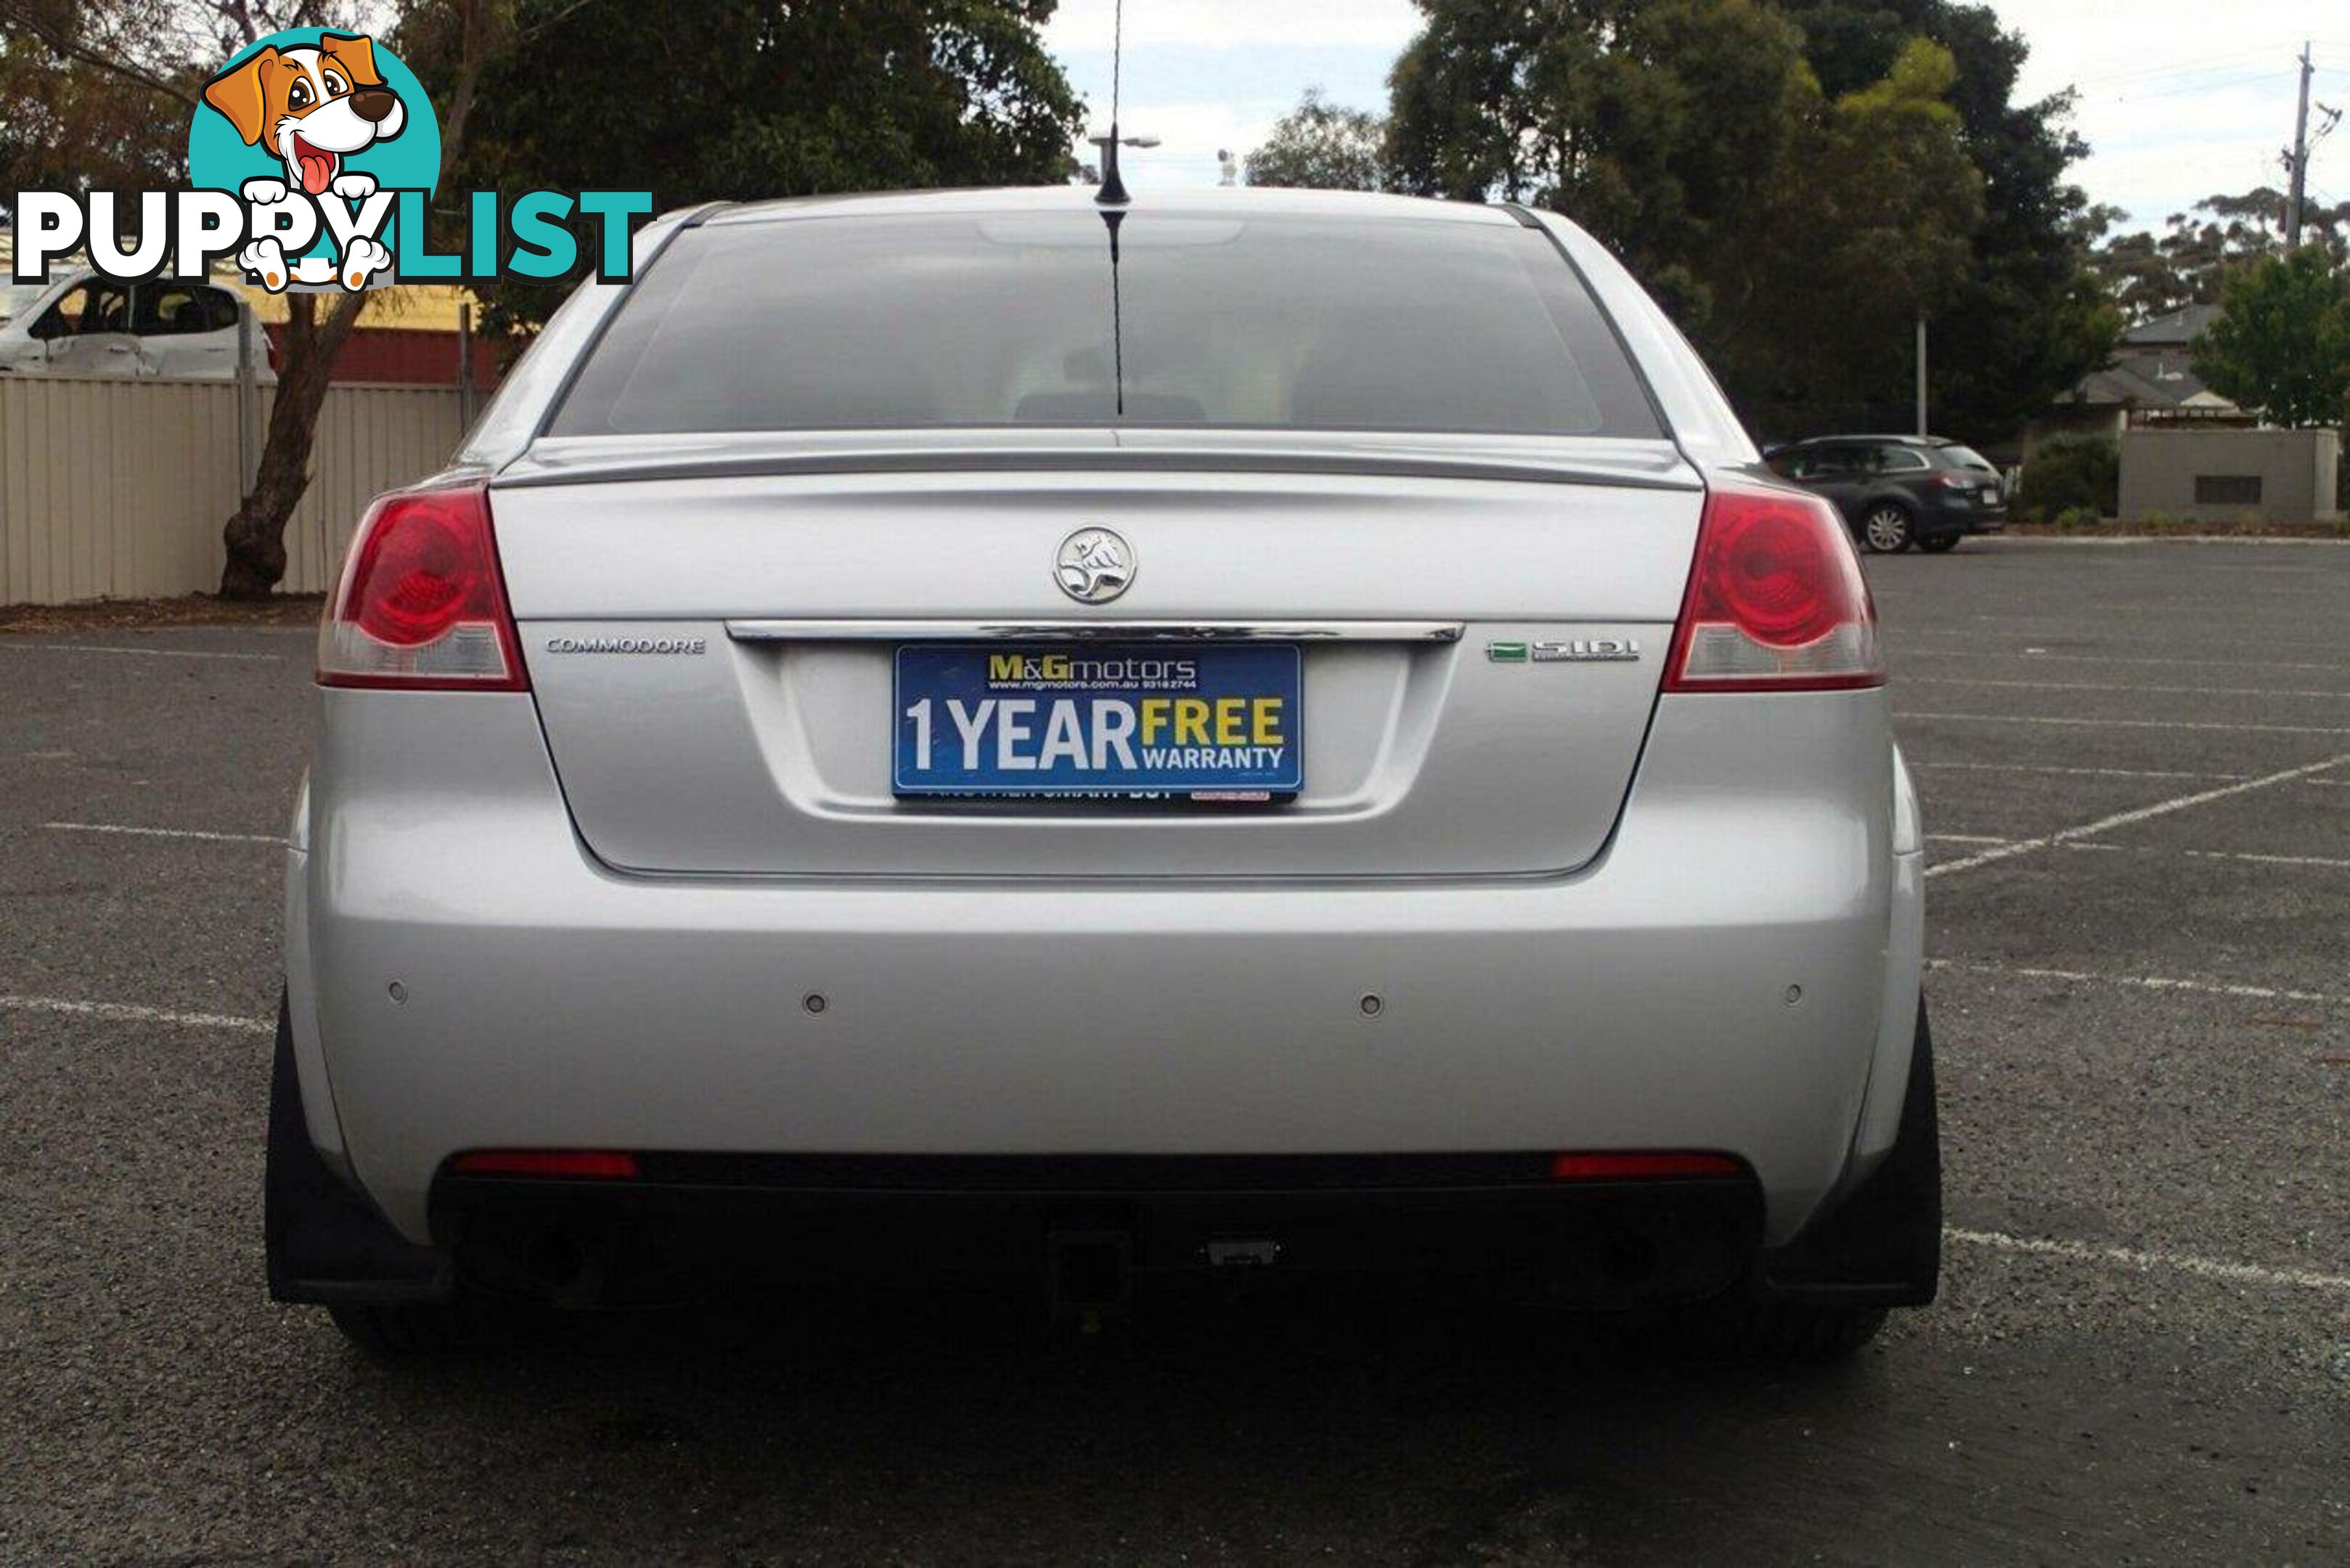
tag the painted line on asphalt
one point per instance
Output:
(2138, 981)
(2316, 862)
(125, 1012)
(2136, 1258)
(2126, 818)
(2320, 862)
(2042, 655)
(126, 828)
(2129, 723)
(2094, 773)
(2119, 686)
(10, 642)
(2022, 639)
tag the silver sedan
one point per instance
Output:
(1242, 731)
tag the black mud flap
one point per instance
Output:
(325, 1243)
(1881, 1245)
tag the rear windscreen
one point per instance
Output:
(1279, 323)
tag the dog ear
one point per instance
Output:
(237, 94)
(356, 54)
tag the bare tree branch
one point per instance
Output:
(53, 38)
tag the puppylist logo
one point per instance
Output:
(312, 160)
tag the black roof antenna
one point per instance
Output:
(1113, 192)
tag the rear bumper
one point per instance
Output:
(695, 1227)
(1945, 519)
(1737, 971)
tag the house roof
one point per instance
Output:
(2143, 380)
(2178, 328)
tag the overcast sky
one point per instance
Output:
(2179, 99)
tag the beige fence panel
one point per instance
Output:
(117, 488)
(370, 439)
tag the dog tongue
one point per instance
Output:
(318, 168)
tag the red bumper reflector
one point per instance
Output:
(578, 1164)
(1640, 1166)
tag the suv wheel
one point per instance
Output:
(1885, 530)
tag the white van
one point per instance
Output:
(84, 325)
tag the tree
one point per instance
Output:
(1795, 238)
(762, 100)
(2026, 318)
(2151, 274)
(1321, 146)
(757, 99)
(2280, 342)
(70, 61)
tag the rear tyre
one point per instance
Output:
(1886, 529)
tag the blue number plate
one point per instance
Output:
(1201, 720)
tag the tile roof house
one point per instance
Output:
(2152, 380)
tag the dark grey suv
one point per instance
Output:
(1900, 491)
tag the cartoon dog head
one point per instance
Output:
(310, 106)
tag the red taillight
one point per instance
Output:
(1775, 601)
(1640, 1166)
(421, 603)
(572, 1164)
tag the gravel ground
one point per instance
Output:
(2142, 1351)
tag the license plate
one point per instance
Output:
(1196, 721)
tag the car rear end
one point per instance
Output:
(1964, 494)
(1451, 820)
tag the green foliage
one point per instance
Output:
(2026, 319)
(2281, 342)
(2151, 274)
(1321, 146)
(2068, 475)
(703, 99)
(1796, 233)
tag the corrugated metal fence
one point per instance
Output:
(118, 489)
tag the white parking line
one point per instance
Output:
(2316, 862)
(2319, 862)
(2125, 818)
(2117, 686)
(2139, 982)
(9, 643)
(2133, 1258)
(2039, 654)
(163, 832)
(2129, 723)
(2091, 773)
(2039, 767)
(125, 1012)
(2027, 638)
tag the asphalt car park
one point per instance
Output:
(2135, 760)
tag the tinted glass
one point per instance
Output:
(1968, 457)
(1901, 460)
(1827, 462)
(166, 310)
(95, 307)
(981, 320)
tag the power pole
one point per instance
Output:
(2300, 158)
